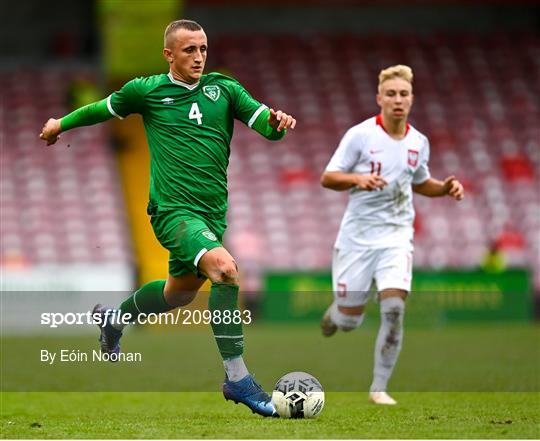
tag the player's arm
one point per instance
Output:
(270, 123)
(434, 188)
(129, 99)
(273, 124)
(339, 175)
(84, 116)
(340, 181)
(425, 185)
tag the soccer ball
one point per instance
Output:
(298, 395)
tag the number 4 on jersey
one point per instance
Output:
(195, 113)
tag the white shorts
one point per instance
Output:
(353, 273)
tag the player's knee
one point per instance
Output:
(219, 266)
(346, 320)
(392, 312)
(229, 275)
(226, 272)
(350, 322)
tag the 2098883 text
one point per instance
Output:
(198, 317)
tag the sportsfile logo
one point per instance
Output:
(178, 317)
(56, 319)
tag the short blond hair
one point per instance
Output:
(397, 71)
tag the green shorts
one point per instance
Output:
(187, 236)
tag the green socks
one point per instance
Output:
(223, 304)
(148, 299)
(226, 319)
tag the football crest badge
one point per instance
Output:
(209, 235)
(412, 158)
(212, 92)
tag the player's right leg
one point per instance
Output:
(152, 298)
(157, 296)
(352, 274)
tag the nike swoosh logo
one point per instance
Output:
(375, 151)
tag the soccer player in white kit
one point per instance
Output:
(381, 162)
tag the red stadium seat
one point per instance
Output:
(472, 113)
(54, 199)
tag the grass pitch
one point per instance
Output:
(452, 382)
(207, 415)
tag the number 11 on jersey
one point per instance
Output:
(376, 168)
(195, 113)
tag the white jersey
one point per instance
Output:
(384, 218)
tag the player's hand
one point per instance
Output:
(51, 131)
(280, 120)
(370, 182)
(453, 188)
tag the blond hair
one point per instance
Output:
(397, 71)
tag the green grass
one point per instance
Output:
(474, 381)
(207, 415)
(487, 358)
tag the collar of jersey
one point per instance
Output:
(181, 83)
(378, 121)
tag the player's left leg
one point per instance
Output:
(388, 343)
(195, 245)
(219, 266)
(393, 278)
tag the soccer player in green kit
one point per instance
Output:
(189, 121)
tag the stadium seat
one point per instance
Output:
(482, 123)
(476, 118)
(60, 204)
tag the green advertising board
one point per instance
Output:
(437, 297)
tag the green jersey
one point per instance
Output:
(189, 130)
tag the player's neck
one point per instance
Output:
(176, 76)
(396, 128)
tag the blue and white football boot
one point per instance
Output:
(247, 391)
(109, 338)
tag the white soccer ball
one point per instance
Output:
(298, 395)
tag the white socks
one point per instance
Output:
(388, 344)
(343, 321)
(235, 368)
